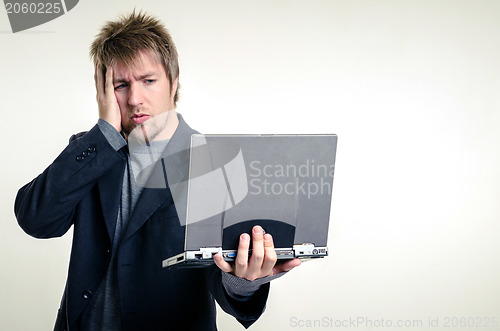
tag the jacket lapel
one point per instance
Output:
(110, 189)
(149, 202)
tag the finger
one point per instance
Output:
(257, 258)
(223, 265)
(99, 80)
(95, 75)
(241, 262)
(109, 88)
(270, 257)
(286, 266)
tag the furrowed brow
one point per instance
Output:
(147, 75)
(119, 80)
(141, 77)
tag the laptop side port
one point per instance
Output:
(285, 254)
(209, 252)
(231, 255)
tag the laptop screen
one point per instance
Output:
(281, 182)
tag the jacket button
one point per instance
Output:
(91, 149)
(80, 158)
(86, 294)
(85, 153)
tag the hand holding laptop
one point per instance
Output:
(262, 262)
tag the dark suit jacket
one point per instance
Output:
(82, 187)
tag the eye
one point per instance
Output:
(150, 81)
(120, 86)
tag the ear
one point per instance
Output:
(173, 89)
(174, 85)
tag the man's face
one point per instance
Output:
(143, 91)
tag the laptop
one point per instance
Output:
(283, 183)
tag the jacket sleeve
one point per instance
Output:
(246, 311)
(45, 206)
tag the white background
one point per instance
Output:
(410, 87)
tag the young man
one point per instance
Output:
(124, 229)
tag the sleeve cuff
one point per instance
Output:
(242, 289)
(114, 138)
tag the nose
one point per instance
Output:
(135, 95)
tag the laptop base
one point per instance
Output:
(205, 256)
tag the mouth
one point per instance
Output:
(140, 118)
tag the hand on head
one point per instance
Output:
(106, 99)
